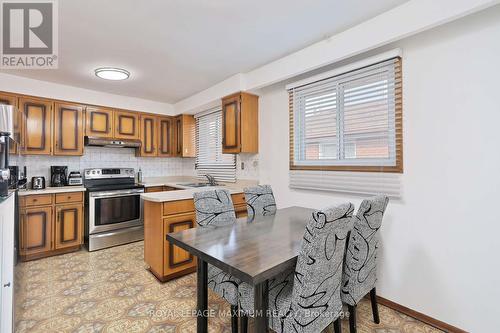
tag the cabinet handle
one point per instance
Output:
(7, 285)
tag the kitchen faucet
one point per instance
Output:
(211, 180)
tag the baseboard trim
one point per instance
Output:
(419, 316)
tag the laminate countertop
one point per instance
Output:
(185, 192)
(51, 190)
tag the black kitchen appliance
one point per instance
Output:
(9, 133)
(75, 178)
(58, 176)
(113, 208)
(38, 183)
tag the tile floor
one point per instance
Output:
(111, 291)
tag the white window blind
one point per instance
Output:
(209, 156)
(348, 120)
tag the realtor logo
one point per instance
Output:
(29, 34)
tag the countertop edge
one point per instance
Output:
(52, 190)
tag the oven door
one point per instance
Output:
(111, 210)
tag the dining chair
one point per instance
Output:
(260, 201)
(307, 297)
(360, 266)
(214, 208)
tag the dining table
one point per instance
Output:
(252, 250)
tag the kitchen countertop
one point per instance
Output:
(51, 190)
(185, 192)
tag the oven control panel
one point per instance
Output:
(107, 173)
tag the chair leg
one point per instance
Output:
(352, 318)
(234, 319)
(373, 298)
(244, 323)
(337, 325)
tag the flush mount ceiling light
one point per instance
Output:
(112, 73)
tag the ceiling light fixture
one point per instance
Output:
(112, 73)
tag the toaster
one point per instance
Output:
(75, 178)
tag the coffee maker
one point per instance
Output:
(58, 176)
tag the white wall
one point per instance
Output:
(438, 253)
(27, 86)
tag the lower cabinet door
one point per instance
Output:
(176, 258)
(36, 230)
(68, 229)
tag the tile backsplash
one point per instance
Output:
(99, 157)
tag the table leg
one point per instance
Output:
(261, 306)
(202, 302)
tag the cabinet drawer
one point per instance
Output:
(238, 198)
(240, 210)
(154, 189)
(69, 197)
(38, 200)
(178, 207)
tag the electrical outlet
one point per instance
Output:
(242, 165)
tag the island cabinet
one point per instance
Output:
(50, 224)
(240, 123)
(167, 261)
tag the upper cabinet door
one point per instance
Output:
(148, 135)
(10, 99)
(165, 136)
(126, 125)
(240, 123)
(99, 122)
(184, 136)
(68, 129)
(37, 128)
(231, 122)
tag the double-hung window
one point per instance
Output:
(348, 122)
(209, 156)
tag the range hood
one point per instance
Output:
(99, 142)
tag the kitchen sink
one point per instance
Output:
(199, 184)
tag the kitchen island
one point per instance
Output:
(173, 210)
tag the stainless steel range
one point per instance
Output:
(113, 208)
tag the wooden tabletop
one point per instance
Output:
(251, 251)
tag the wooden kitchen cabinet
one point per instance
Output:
(68, 226)
(165, 137)
(177, 259)
(167, 261)
(240, 123)
(10, 99)
(99, 122)
(184, 136)
(126, 125)
(68, 129)
(50, 224)
(37, 125)
(149, 135)
(35, 230)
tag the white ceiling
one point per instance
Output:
(176, 48)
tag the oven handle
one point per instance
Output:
(115, 194)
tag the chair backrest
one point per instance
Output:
(316, 298)
(214, 208)
(360, 266)
(260, 201)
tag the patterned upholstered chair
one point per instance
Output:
(260, 201)
(214, 208)
(307, 299)
(360, 266)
